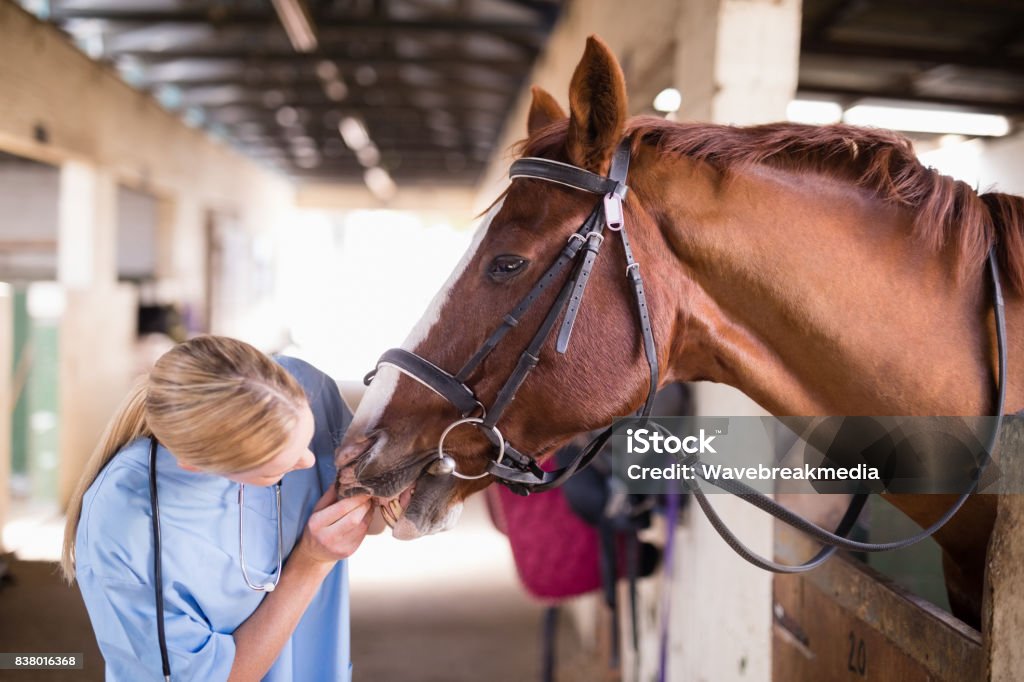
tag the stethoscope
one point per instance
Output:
(158, 582)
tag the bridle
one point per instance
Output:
(518, 471)
(521, 473)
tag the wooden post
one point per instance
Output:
(87, 227)
(720, 625)
(735, 63)
(97, 336)
(736, 60)
(1003, 608)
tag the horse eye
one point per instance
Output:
(504, 268)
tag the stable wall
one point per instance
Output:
(88, 115)
(60, 107)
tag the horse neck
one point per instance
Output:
(810, 296)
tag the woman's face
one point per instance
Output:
(295, 455)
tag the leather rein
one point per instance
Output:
(522, 474)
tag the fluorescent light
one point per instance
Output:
(335, 91)
(380, 183)
(294, 16)
(951, 140)
(287, 116)
(353, 132)
(169, 95)
(302, 142)
(816, 112)
(368, 156)
(366, 75)
(668, 100)
(193, 117)
(327, 70)
(40, 8)
(273, 99)
(928, 120)
(307, 161)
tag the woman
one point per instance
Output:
(243, 452)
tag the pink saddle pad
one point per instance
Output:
(556, 553)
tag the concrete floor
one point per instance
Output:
(40, 614)
(447, 608)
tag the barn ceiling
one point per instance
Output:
(967, 54)
(431, 81)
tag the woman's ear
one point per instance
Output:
(597, 108)
(544, 110)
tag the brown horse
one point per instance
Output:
(820, 270)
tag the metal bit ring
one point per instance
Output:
(476, 421)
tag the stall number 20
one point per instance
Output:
(857, 661)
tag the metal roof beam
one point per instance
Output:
(400, 110)
(308, 84)
(256, 57)
(840, 11)
(980, 59)
(545, 9)
(997, 10)
(226, 17)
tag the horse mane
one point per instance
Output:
(946, 212)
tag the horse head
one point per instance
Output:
(392, 447)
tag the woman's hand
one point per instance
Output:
(336, 527)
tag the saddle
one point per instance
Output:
(584, 536)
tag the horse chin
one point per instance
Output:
(412, 500)
(412, 528)
(430, 510)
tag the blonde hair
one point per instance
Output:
(217, 403)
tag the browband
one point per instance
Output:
(565, 174)
(429, 375)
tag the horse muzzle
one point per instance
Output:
(416, 494)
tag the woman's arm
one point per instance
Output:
(334, 532)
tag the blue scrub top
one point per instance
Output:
(205, 597)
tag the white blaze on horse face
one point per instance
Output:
(380, 392)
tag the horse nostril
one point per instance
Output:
(351, 451)
(350, 459)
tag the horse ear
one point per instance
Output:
(597, 108)
(544, 110)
